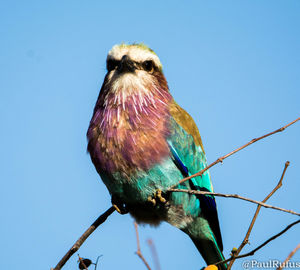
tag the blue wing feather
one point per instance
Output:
(183, 169)
(182, 160)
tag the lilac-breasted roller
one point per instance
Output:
(142, 143)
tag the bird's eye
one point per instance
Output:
(148, 65)
(111, 64)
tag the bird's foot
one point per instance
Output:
(151, 200)
(157, 198)
(158, 195)
(119, 206)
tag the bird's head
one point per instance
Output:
(133, 69)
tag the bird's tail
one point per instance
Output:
(209, 246)
(210, 252)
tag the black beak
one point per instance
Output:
(126, 65)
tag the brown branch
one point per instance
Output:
(138, 252)
(246, 239)
(154, 254)
(252, 252)
(197, 192)
(83, 237)
(283, 265)
(221, 159)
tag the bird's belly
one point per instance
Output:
(154, 215)
(148, 214)
(135, 194)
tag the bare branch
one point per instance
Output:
(289, 257)
(154, 254)
(197, 192)
(252, 252)
(83, 237)
(246, 239)
(221, 159)
(138, 252)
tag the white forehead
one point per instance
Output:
(134, 52)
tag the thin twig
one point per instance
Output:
(154, 254)
(96, 264)
(138, 252)
(252, 252)
(197, 192)
(83, 237)
(283, 265)
(246, 239)
(221, 159)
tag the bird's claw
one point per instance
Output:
(157, 198)
(119, 206)
(151, 200)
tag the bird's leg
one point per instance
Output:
(158, 195)
(118, 205)
(151, 200)
(157, 198)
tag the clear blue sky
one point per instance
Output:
(233, 65)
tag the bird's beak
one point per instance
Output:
(126, 65)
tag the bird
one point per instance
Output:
(142, 142)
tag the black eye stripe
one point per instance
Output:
(111, 64)
(147, 65)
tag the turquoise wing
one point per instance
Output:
(188, 155)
